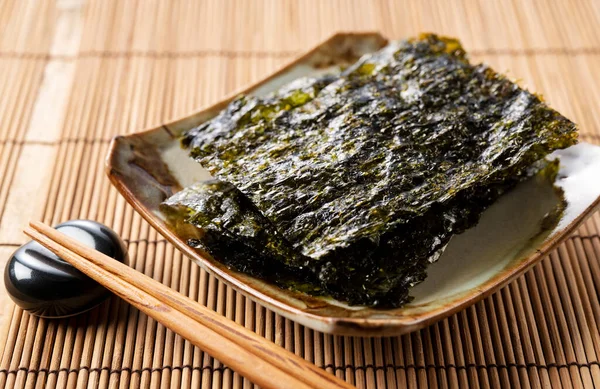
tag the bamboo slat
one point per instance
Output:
(73, 73)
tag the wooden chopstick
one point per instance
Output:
(164, 304)
(227, 351)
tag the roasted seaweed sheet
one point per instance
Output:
(359, 180)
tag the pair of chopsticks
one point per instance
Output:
(251, 355)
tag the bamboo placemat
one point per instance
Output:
(74, 73)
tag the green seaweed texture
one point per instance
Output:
(358, 181)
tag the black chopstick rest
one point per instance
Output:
(45, 285)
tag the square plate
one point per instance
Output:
(149, 166)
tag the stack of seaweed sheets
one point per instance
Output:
(350, 184)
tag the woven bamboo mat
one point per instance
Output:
(74, 73)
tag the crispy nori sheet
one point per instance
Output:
(233, 230)
(219, 207)
(365, 176)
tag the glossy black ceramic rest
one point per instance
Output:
(45, 285)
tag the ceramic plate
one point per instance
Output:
(149, 166)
